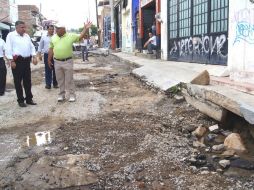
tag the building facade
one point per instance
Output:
(198, 31)
(147, 11)
(30, 14)
(8, 16)
(104, 20)
(126, 26)
(135, 23)
(241, 41)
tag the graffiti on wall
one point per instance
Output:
(244, 21)
(241, 15)
(205, 45)
(244, 32)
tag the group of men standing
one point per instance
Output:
(57, 49)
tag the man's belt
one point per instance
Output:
(21, 58)
(63, 59)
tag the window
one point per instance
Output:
(197, 17)
(219, 15)
(173, 19)
(200, 17)
(184, 18)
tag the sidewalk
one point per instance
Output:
(214, 100)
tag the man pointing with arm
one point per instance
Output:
(61, 50)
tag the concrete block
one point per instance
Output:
(215, 97)
(247, 112)
(212, 110)
(202, 79)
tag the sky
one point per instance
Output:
(72, 13)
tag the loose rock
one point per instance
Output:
(198, 144)
(219, 147)
(210, 137)
(214, 128)
(234, 141)
(228, 153)
(202, 79)
(244, 164)
(224, 163)
(204, 172)
(199, 132)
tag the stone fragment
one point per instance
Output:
(178, 99)
(55, 172)
(215, 157)
(23, 156)
(204, 168)
(201, 157)
(224, 163)
(204, 172)
(234, 142)
(193, 168)
(199, 132)
(66, 148)
(219, 147)
(214, 128)
(228, 153)
(202, 79)
(219, 170)
(189, 128)
(219, 139)
(211, 137)
(244, 164)
(198, 144)
(226, 133)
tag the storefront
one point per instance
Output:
(147, 11)
(198, 31)
(135, 22)
(118, 24)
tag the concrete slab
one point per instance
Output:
(166, 74)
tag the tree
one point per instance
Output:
(93, 30)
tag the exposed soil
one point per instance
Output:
(119, 134)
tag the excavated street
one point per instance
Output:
(119, 134)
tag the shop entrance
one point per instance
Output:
(198, 31)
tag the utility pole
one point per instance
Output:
(97, 19)
(113, 35)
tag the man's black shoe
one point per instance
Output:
(22, 104)
(31, 102)
(56, 86)
(1, 94)
(48, 87)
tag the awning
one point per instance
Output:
(4, 26)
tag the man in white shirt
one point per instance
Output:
(3, 70)
(44, 48)
(151, 43)
(84, 48)
(20, 52)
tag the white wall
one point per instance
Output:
(241, 41)
(126, 28)
(164, 30)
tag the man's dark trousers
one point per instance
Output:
(3, 73)
(151, 47)
(48, 72)
(84, 53)
(22, 72)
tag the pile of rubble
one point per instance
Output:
(217, 150)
